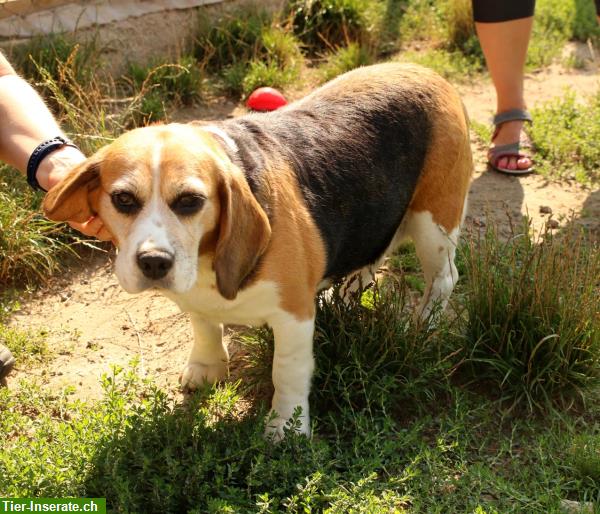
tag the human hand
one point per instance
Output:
(52, 170)
(93, 227)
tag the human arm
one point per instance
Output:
(25, 122)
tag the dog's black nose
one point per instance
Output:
(155, 264)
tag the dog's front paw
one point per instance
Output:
(196, 374)
(277, 427)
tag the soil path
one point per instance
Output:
(92, 323)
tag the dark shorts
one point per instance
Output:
(493, 11)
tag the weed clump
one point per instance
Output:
(371, 354)
(345, 59)
(30, 245)
(452, 65)
(24, 345)
(160, 84)
(180, 81)
(234, 38)
(533, 328)
(46, 56)
(583, 457)
(326, 25)
(566, 134)
(248, 49)
(460, 31)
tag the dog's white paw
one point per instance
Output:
(277, 427)
(196, 374)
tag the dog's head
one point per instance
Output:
(168, 193)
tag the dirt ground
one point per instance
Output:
(92, 323)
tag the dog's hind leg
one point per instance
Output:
(436, 249)
(439, 202)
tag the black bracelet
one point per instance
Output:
(38, 154)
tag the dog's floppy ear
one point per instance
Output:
(75, 198)
(244, 235)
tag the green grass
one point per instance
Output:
(556, 22)
(566, 135)
(26, 346)
(369, 354)
(330, 24)
(584, 24)
(161, 85)
(345, 59)
(234, 37)
(145, 453)
(44, 56)
(259, 74)
(404, 419)
(248, 49)
(30, 245)
(532, 329)
(404, 262)
(583, 457)
(454, 66)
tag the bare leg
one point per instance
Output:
(208, 358)
(505, 45)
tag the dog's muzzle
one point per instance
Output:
(155, 264)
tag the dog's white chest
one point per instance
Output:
(252, 306)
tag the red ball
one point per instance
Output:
(265, 99)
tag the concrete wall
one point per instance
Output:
(125, 30)
(26, 18)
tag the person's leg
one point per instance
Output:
(504, 29)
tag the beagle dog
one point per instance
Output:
(243, 221)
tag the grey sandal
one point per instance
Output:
(495, 153)
(7, 362)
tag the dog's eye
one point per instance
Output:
(187, 204)
(125, 202)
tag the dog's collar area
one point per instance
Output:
(248, 161)
(223, 136)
